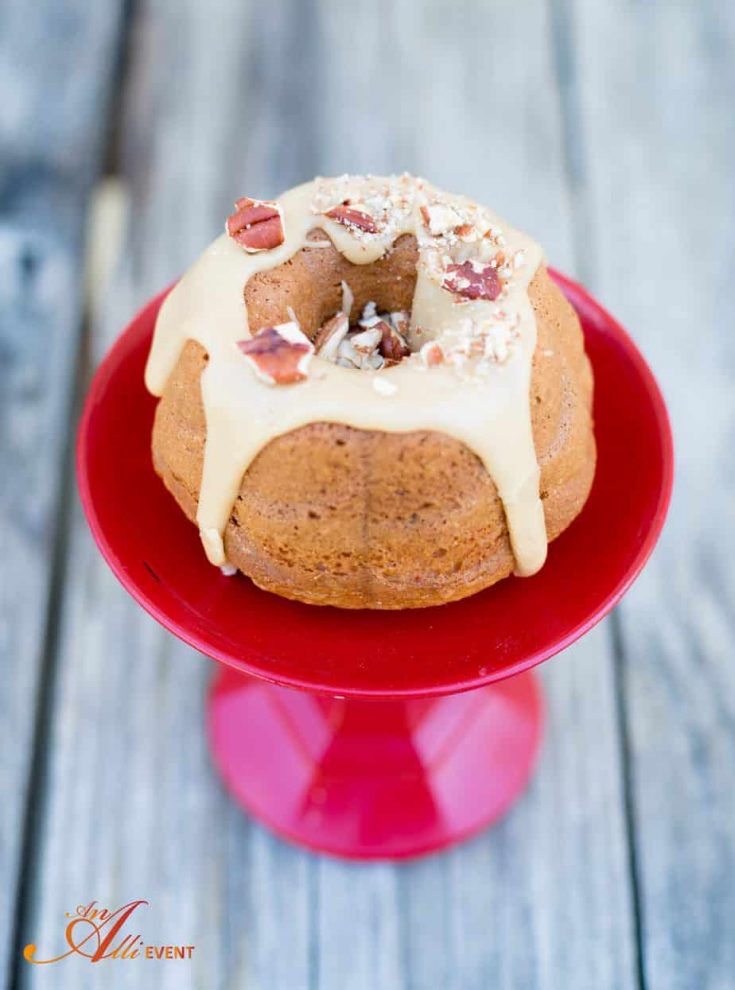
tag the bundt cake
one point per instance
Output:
(372, 395)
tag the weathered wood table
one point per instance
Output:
(607, 130)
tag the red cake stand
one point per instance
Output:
(378, 734)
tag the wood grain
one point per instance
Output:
(657, 134)
(227, 98)
(52, 131)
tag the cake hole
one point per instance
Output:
(377, 339)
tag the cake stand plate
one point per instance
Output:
(378, 734)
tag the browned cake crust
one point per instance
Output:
(328, 514)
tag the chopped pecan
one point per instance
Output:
(361, 356)
(440, 218)
(350, 217)
(374, 342)
(473, 280)
(399, 320)
(392, 345)
(367, 341)
(432, 354)
(279, 355)
(330, 335)
(369, 316)
(256, 225)
(466, 232)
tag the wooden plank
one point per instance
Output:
(52, 131)
(543, 899)
(658, 135)
(134, 808)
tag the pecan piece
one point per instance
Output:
(256, 225)
(473, 280)
(440, 218)
(366, 341)
(432, 354)
(466, 232)
(350, 217)
(330, 335)
(279, 355)
(392, 345)
(399, 320)
(359, 349)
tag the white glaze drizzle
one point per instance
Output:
(483, 402)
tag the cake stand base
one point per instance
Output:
(374, 779)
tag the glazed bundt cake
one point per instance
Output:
(372, 395)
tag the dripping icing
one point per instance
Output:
(485, 405)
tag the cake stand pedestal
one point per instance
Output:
(378, 734)
(369, 779)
